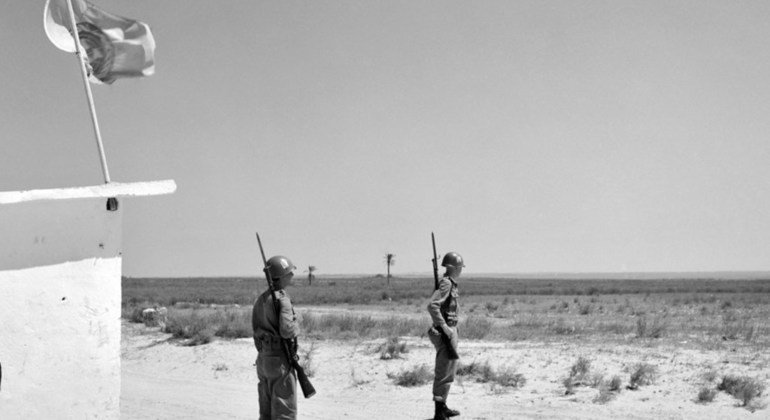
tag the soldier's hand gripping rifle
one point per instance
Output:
(289, 346)
(451, 352)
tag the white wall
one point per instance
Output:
(60, 269)
(60, 301)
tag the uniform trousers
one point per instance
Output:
(277, 386)
(445, 370)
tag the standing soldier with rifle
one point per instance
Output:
(275, 336)
(443, 333)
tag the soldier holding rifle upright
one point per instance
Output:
(277, 378)
(443, 333)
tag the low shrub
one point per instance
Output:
(615, 383)
(200, 326)
(605, 395)
(504, 377)
(393, 348)
(735, 327)
(654, 330)
(133, 314)
(596, 380)
(492, 306)
(508, 377)
(359, 326)
(569, 385)
(585, 309)
(480, 372)
(415, 376)
(642, 374)
(706, 395)
(203, 336)
(579, 371)
(743, 388)
(233, 324)
(560, 327)
(476, 327)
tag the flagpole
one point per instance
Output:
(92, 108)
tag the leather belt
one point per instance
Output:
(269, 342)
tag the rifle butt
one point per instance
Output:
(307, 388)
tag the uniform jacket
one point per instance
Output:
(443, 303)
(264, 321)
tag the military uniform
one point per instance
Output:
(443, 312)
(277, 379)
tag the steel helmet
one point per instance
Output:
(452, 259)
(279, 266)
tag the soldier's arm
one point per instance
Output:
(254, 323)
(434, 306)
(289, 327)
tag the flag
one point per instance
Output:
(115, 46)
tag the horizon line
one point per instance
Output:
(539, 274)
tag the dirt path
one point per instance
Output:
(163, 380)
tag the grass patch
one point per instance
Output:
(132, 314)
(608, 390)
(362, 290)
(200, 326)
(647, 329)
(706, 395)
(560, 327)
(500, 379)
(507, 377)
(531, 309)
(744, 388)
(579, 371)
(642, 374)
(415, 376)
(569, 386)
(393, 348)
(604, 396)
(615, 383)
(476, 327)
(578, 375)
(349, 326)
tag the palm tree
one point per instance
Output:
(390, 259)
(310, 275)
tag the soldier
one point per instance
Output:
(277, 379)
(443, 311)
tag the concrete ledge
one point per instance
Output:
(113, 189)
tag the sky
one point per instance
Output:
(530, 136)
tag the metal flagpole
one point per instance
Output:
(81, 59)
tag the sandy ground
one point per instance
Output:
(163, 380)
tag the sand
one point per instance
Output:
(163, 380)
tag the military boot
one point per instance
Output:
(440, 415)
(443, 412)
(448, 412)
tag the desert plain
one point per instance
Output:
(652, 348)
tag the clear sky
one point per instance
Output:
(530, 136)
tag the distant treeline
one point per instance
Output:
(366, 290)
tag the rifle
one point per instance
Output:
(445, 338)
(289, 346)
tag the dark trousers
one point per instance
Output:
(445, 370)
(277, 386)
